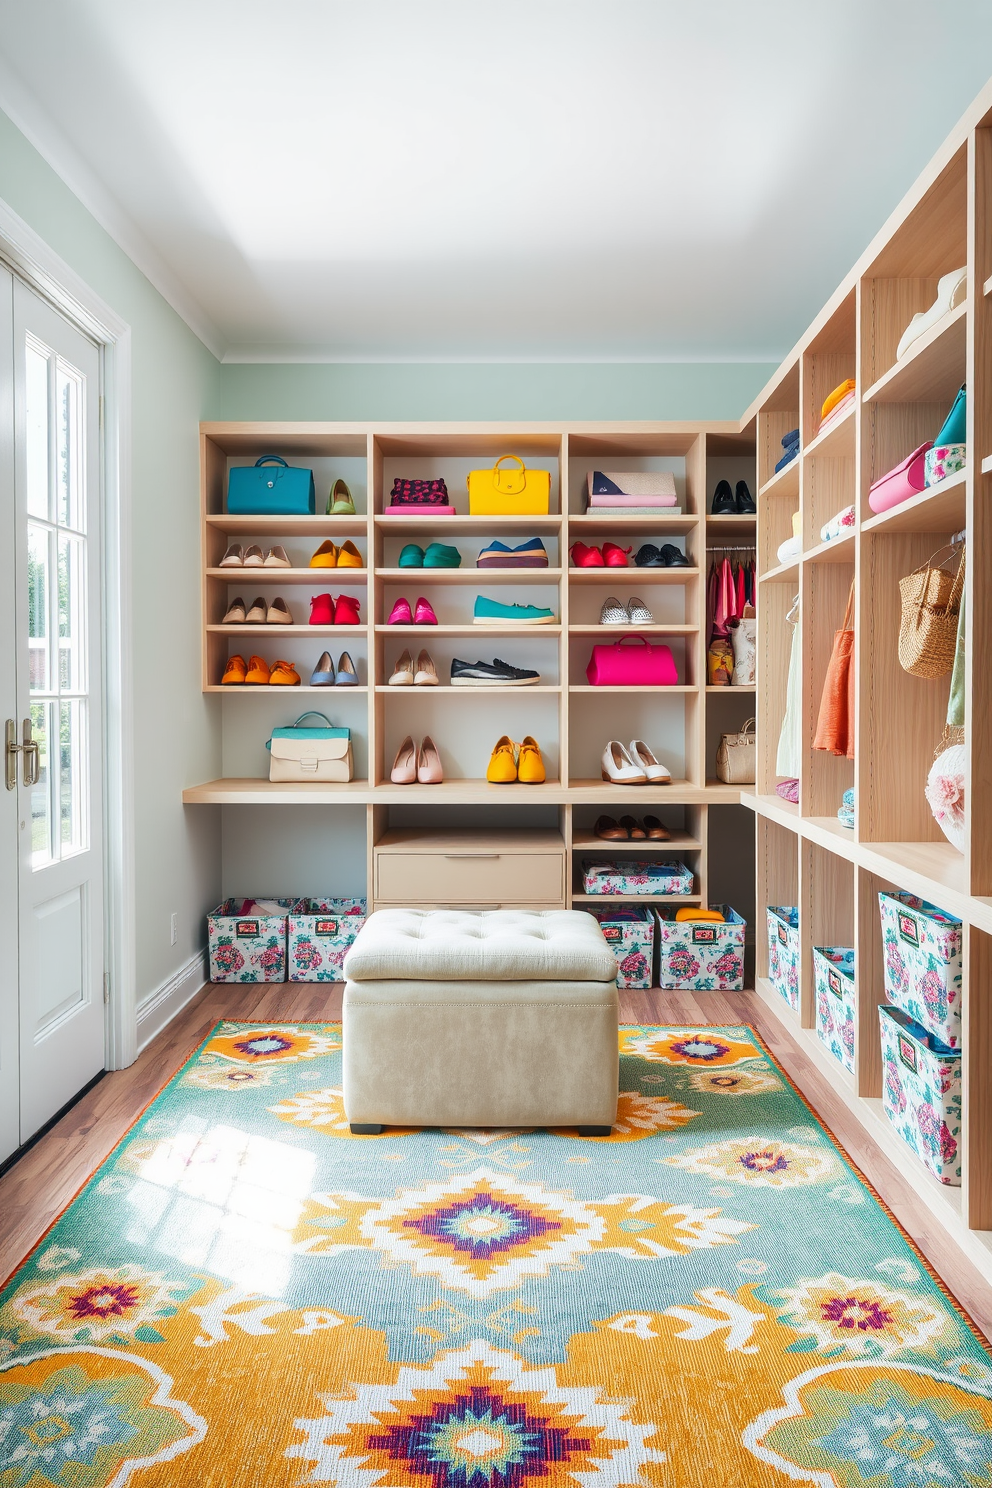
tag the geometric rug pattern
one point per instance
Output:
(246, 1294)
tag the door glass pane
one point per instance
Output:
(69, 399)
(71, 775)
(41, 804)
(36, 446)
(71, 561)
(39, 591)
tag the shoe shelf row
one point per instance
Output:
(680, 723)
(805, 856)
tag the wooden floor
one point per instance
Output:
(38, 1187)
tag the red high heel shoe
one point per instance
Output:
(614, 556)
(585, 557)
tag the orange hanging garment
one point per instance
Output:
(835, 724)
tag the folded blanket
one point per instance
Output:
(837, 412)
(622, 499)
(842, 390)
(838, 526)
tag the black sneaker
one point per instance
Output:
(650, 556)
(723, 500)
(744, 499)
(674, 557)
(490, 674)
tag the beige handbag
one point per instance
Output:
(737, 756)
(928, 633)
(299, 753)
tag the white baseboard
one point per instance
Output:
(161, 1007)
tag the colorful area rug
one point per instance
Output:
(245, 1294)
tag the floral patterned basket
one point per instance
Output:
(636, 876)
(833, 982)
(783, 951)
(921, 1092)
(629, 931)
(247, 940)
(701, 955)
(321, 932)
(923, 964)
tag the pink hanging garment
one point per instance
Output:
(726, 599)
(741, 597)
(712, 585)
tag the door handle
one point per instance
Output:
(28, 747)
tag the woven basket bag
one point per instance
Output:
(931, 600)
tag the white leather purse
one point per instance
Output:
(299, 753)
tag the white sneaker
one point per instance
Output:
(644, 759)
(951, 292)
(639, 612)
(613, 612)
(619, 768)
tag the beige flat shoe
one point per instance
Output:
(429, 770)
(253, 556)
(403, 672)
(235, 613)
(657, 773)
(259, 612)
(426, 673)
(404, 771)
(276, 557)
(234, 557)
(278, 613)
(619, 768)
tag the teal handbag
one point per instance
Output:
(270, 487)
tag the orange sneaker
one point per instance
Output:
(284, 674)
(258, 672)
(530, 769)
(234, 671)
(326, 556)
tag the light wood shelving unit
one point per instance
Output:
(804, 856)
(570, 719)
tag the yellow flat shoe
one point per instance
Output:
(326, 556)
(284, 674)
(530, 770)
(234, 672)
(349, 556)
(258, 672)
(502, 762)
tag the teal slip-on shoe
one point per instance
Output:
(491, 612)
(412, 556)
(952, 431)
(439, 555)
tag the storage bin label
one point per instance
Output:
(909, 930)
(247, 929)
(907, 1053)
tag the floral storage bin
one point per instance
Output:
(247, 940)
(833, 982)
(635, 876)
(320, 934)
(783, 951)
(701, 955)
(923, 964)
(921, 1092)
(629, 931)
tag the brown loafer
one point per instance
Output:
(634, 830)
(609, 830)
(656, 830)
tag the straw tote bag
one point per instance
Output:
(931, 603)
(835, 724)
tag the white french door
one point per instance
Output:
(54, 728)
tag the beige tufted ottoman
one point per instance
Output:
(487, 1019)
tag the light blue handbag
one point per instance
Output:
(270, 487)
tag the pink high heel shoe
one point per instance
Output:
(429, 770)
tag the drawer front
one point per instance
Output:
(470, 878)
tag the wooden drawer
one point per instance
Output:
(464, 876)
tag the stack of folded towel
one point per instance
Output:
(631, 493)
(836, 404)
(845, 812)
(790, 446)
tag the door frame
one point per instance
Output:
(30, 258)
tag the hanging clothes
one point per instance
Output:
(835, 724)
(789, 758)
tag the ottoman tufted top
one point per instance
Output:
(502, 945)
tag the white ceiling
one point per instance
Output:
(478, 180)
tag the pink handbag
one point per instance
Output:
(640, 665)
(902, 482)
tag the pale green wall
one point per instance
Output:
(177, 735)
(652, 390)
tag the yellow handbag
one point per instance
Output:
(509, 493)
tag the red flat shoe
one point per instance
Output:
(322, 610)
(346, 611)
(615, 557)
(584, 557)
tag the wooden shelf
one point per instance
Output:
(630, 577)
(483, 578)
(315, 526)
(675, 524)
(655, 692)
(271, 578)
(241, 689)
(678, 793)
(425, 631)
(679, 842)
(836, 442)
(939, 509)
(839, 550)
(785, 573)
(607, 899)
(273, 632)
(444, 689)
(785, 483)
(732, 691)
(932, 369)
(620, 630)
(719, 529)
(435, 527)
